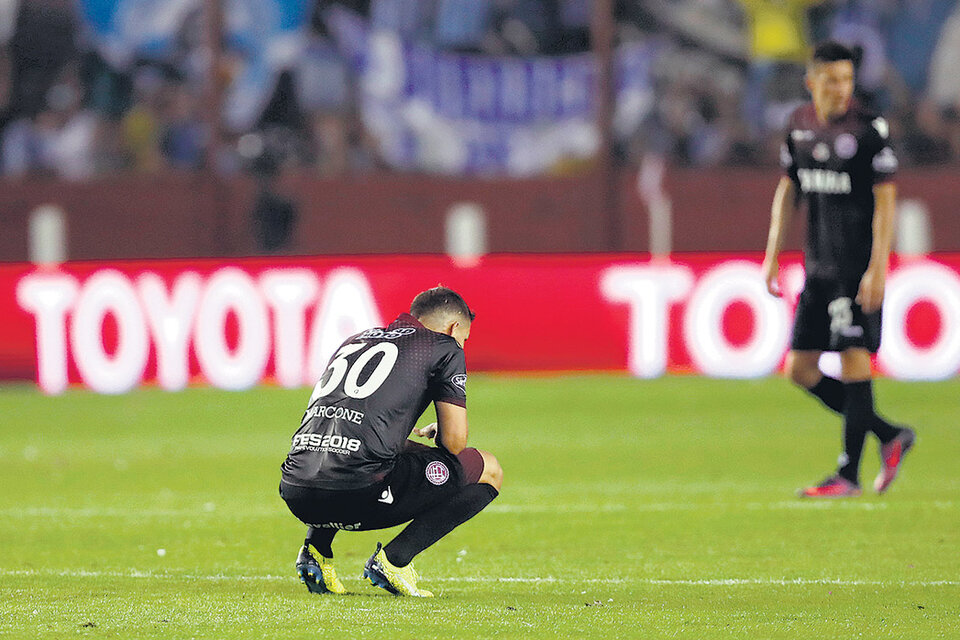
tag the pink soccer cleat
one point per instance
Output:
(891, 456)
(832, 487)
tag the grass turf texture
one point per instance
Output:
(631, 508)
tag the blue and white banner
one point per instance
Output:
(451, 113)
(266, 36)
(269, 36)
(125, 30)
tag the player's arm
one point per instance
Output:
(870, 295)
(781, 215)
(451, 426)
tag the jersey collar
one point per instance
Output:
(406, 318)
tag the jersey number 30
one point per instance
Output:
(340, 370)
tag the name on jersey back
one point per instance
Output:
(332, 413)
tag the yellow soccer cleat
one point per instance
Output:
(317, 572)
(400, 581)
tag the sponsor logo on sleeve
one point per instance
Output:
(785, 158)
(885, 161)
(460, 380)
(821, 152)
(845, 146)
(882, 127)
(437, 473)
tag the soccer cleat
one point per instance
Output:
(400, 581)
(891, 456)
(317, 572)
(832, 487)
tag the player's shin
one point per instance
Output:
(432, 525)
(857, 420)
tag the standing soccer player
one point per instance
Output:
(838, 159)
(351, 466)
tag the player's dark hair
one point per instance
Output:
(440, 299)
(832, 51)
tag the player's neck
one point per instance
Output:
(825, 118)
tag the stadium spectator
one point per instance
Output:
(530, 27)
(41, 42)
(325, 95)
(140, 125)
(411, 20)
(912, 35)
(68, 133)
(182, 134)
(777, 32)
(944, 81)
(925, 136)
(467, 26)
(8, 22)
(574, 25)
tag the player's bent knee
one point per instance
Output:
(492, 471)
(802, 372)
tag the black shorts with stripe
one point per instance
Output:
(422, 478)
(828, 318)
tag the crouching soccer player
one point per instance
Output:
(837, 157)
(351, 466)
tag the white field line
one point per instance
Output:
(789, 505)
(703, 582)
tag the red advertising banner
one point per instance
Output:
(236, 324)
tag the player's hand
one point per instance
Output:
(870, 294)
(429, 431)
(771, 276)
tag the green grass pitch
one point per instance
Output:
(630, 509)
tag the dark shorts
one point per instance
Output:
(829, 319)
(422, 478)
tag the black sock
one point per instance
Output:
(321, 539)
(831, 393)
(883, 429)
(431, 525)
(858, 418)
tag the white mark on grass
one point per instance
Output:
(649, 507)
(793, 505)
(124, 512)
(814, 505)
(667, 582)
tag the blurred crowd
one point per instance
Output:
(726, 74)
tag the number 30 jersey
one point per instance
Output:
(367, 402)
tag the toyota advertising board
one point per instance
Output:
(234, 324)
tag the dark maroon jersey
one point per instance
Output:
(367, 402)
(835, 167)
